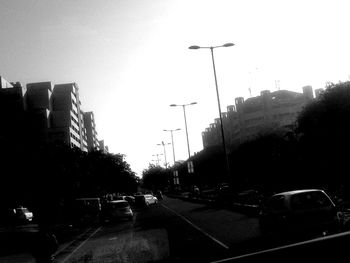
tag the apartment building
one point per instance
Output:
(45, 113)
(12, 114)
(247, 118)
(67, 121)
(38, 100)
(91, 133)
(103, 147)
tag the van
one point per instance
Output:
(87, 209)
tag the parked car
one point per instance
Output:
(117, 209)
(129, 198)
(301, 211)
(150, 199)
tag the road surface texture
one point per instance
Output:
(171, 231)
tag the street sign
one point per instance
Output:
(190, 167)
(176, 177)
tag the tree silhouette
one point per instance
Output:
(324, 128)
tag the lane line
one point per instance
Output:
(196, 227)
(298, 244)
(81, 244)
(70, 243)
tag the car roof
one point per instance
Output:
(88, 199)
(298, 192)
(118, 201)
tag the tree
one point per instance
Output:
(324, 128)
(156, 178)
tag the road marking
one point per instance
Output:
(298, 244)
(196, 227)
(81, 244)
(70, 243)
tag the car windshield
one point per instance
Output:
(174, 130)
(312, 200)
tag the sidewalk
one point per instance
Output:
(15, 243)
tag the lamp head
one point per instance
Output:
(228, 45)
(194, 47)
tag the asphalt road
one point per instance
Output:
(171, 231)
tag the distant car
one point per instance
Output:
(23, 215)
(117, 209)
(150, 199)
(299, 212)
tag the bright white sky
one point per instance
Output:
(131, 60)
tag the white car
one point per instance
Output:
(23, 214)
(150, 199)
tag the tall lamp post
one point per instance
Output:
(218, 99)
(184, 106)
(172, 141)
(157, 157)
(166, 163)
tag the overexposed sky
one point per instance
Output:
(131, 60)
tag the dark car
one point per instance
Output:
(140, 201)
(299, 212)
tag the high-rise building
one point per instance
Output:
(91, 133)
(38, 108)
(67, 119)
(248, 118)
(43, 113)
(103, 147)
(12, 110)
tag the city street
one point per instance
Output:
(170, 231)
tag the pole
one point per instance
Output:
(172, 143)
(166, 163)
(188, 144)
(221, 123)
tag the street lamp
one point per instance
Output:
(172, 140)
(157, 157)
(183, 106)
(166, 163)
(218, 98)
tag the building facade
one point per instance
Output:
(45, 113)
(12, 110)
(91, 133)
(67, 118)
(38, 100)
(247, 118)
(103, 147)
